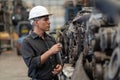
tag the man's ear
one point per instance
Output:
(36, 22)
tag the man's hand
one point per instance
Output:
(55, 48)
(57, 69)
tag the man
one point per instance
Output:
(39, 50)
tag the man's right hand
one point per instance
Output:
(55, 48)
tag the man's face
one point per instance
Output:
(43, 23)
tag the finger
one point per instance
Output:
(59, 44)
(57, 69)
(57, 66)
(54, 72)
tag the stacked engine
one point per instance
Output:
(91, 47)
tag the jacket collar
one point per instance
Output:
(34, 35)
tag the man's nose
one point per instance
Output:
(48, 22)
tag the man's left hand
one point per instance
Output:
(57, 69)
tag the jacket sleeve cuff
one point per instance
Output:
(36, 62)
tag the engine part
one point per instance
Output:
(114, 65)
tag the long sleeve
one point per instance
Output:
(28, 55)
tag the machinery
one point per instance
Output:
(11, 12)
(23, 28)
(91, 43)
(71, 10)
(5, 26)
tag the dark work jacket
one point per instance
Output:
(31, 49)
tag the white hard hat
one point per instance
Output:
(38, 11)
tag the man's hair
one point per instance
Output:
(31, 22)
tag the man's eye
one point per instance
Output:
(46, 19)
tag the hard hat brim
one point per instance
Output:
(47, 15)
(41, 16)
